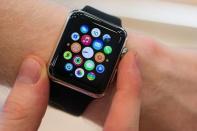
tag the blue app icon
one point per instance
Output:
(84, 29)
(75, 36)
(106, 38)
(97, 44)
(68, 67)
(100, 68)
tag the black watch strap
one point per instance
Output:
(67, 99)
(102, 15)
(70, 100)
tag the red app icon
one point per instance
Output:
(86, 40)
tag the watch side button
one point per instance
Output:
(124, 51)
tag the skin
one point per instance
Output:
(17, 113)
(168, 99)
(32, 80)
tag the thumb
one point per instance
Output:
(28, 99)
(125, 108)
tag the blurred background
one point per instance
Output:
(173, 22)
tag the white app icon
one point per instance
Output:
(79, 72)
(96, 32)
(87, 52)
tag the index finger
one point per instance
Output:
(125, 109)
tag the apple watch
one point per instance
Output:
(85, 59)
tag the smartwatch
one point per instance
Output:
(85, 59)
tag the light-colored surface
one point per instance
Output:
(146, 10)
(171, 23)
(4, 91)
(185, 1)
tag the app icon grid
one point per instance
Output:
(88, 52)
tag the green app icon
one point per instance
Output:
(91, 76)
(89, 65)
(107, 50)
(67, 55)
(77, 60)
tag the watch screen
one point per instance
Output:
(87, 52)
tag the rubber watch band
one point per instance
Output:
(102, 15)
(69, 100)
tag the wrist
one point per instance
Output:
(28, 27)
(46, 29)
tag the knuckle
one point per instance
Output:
(14, 110)
(151, 45)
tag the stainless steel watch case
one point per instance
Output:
(68, 85)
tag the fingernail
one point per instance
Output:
(29, 72)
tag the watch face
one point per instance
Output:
(87, 53)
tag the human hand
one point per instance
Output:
(27, 102)
(125, 109)
(169, 89)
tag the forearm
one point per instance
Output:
(27, 27)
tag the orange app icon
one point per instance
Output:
(99, 57)
(75, 47)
